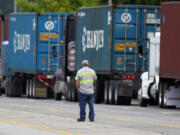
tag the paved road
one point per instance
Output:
(19, 116)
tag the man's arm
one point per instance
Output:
(77, 85)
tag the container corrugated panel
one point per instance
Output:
(93, 38)
(4, 59)
(170, 41)
(125, 41)
(36, 42)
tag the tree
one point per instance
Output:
(54, 5)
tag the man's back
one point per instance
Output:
(86, 77)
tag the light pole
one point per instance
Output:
(15, 8)
(110, 2)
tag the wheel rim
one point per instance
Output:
(116, 95)
(160, 100)
(110, 93)
(27, 88)
(105, 95)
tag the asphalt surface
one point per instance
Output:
(21, 116)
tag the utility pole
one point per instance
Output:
(110, 2)
(15, 7)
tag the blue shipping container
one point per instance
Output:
(36, 42)
(116, 39)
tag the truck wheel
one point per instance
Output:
(27, 88)
(18, 87)
(106, 88)
(111, 92)
(162, 99)
(117, 85)
(161, 95)
(142, 102)
(57, 96)
(9, 86)
(97, 95)
(31, 88)
(128, 100)
(73, 90)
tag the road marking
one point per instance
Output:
(24, 106)
(45, 128)
(140, 121)
(53, 110)
(107, 117)
(65, 111)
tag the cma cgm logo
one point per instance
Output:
(21, 42)
(92, 39)
(126, 17)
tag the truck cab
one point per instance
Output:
(148, 92)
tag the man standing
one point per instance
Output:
(85, 78)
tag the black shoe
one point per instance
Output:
(80, 120)
(92, 120)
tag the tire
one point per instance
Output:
(97, 92)
(73, 94)
(27, 88)
(128, 100)
(142, 102)
(18, 87)
(58, 96)
(73, 91)
(111, 92)
(9, 87)
(31, 88)
(161, 95)
(117, 85)
(106, 88)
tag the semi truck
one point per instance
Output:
(115, 41)
(33, 54)
(149, 80)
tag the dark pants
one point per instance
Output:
(83, 100)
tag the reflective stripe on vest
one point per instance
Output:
(86, 81)
(87, 73)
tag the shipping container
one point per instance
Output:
(169, 65)
(35, 52)
(115, 41)
(169, 87)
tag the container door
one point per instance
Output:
(150, 25)
(50, 33)
(93, 38)
(126, 35)
(132, 29)
(22, 43)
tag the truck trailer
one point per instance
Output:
(33, 54)
(169, 73)
(115, 41)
